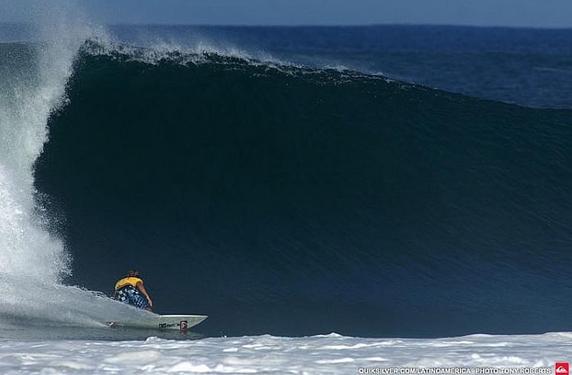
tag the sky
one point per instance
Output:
(527, 13)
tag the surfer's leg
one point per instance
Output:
(135, 298)
(140, 301)
(121, 296)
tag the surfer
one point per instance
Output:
(131, 290)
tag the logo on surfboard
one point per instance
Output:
(184, 325)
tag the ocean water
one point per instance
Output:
(530, 67)
(324, 354)
(335, 199)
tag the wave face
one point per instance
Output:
(294, 201)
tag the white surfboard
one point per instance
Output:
(154, 321)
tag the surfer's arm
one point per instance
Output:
(142, 289)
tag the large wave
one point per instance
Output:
(289, 200)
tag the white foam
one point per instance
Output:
(338, 354)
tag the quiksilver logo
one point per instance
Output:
(561, 368)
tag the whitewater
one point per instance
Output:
(50, 327)
(325, 354)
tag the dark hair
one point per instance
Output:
(133, 273)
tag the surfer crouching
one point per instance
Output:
(131, 290)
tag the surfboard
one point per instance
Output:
(155, 321)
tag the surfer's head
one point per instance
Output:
(133, 273)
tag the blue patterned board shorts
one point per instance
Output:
(131, 296)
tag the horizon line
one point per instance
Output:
(325, 25)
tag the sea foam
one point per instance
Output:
(326, 354)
